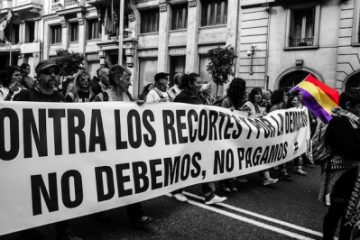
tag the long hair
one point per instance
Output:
(236, 92)
(253, 92)
(277, 96)
(6, 75)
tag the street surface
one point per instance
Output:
(286, 210)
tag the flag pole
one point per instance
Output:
(121, 31)
(10, 42)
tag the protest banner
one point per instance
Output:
(60, 161)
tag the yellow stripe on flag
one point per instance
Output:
(320, 96)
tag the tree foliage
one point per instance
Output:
(68, 62)
(221, 64)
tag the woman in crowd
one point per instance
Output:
(190, 94)
(343, 138)
(205, 94)
(278, 100)
(253, 108)
(80, 90)
(10, 83)
(234, 99)
(294, 100)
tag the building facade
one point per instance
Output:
(277, 42)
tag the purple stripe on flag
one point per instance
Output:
(311, 103)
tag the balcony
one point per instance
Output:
(98, 2)
(27, 6)
(4, 6)
(73, 3)
(56, 6)
(301, 42)
(71, 7)
(287, 3)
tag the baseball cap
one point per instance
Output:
(45, 64)
(160, 75)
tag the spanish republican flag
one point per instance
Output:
(319, 98)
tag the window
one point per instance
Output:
(177, 64)
(55, 34)
(213, 12)
(149, 21)
(303, 27)
(179, 17)
(147, 71)
(15, 34)
(94, 29)
(30, 32)
(74, 30)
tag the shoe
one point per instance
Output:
(67, 236)
(143, 221)
(286, 177)
(234, 189)
(226, 189)
(215, 199)
(241, 180)
(269, 181)
(180, 197)
(300, 172)
(31, 234)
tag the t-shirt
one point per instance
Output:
(35, 95)
(155, 95)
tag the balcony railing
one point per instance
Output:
(301, 42)
(74, 3)
(70, 3)
(56, 6)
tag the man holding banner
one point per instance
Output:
(47, 75)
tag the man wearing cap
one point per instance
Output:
(160, 91)
(47, 75)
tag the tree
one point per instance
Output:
(221, 65)
(68, 62)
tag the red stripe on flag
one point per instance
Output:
(332, 93)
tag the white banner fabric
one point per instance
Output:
(60, 161)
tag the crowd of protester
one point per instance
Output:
(112, 84)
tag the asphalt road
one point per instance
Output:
(285, 210)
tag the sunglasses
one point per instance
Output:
(50, 71)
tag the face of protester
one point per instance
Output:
(295, 102)
(104, 76)
(48, 78)
(16, 77)
(123, 81)
(197, 85)
(26, 71)
(84, 81)
(258, 97)
(162, 84)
